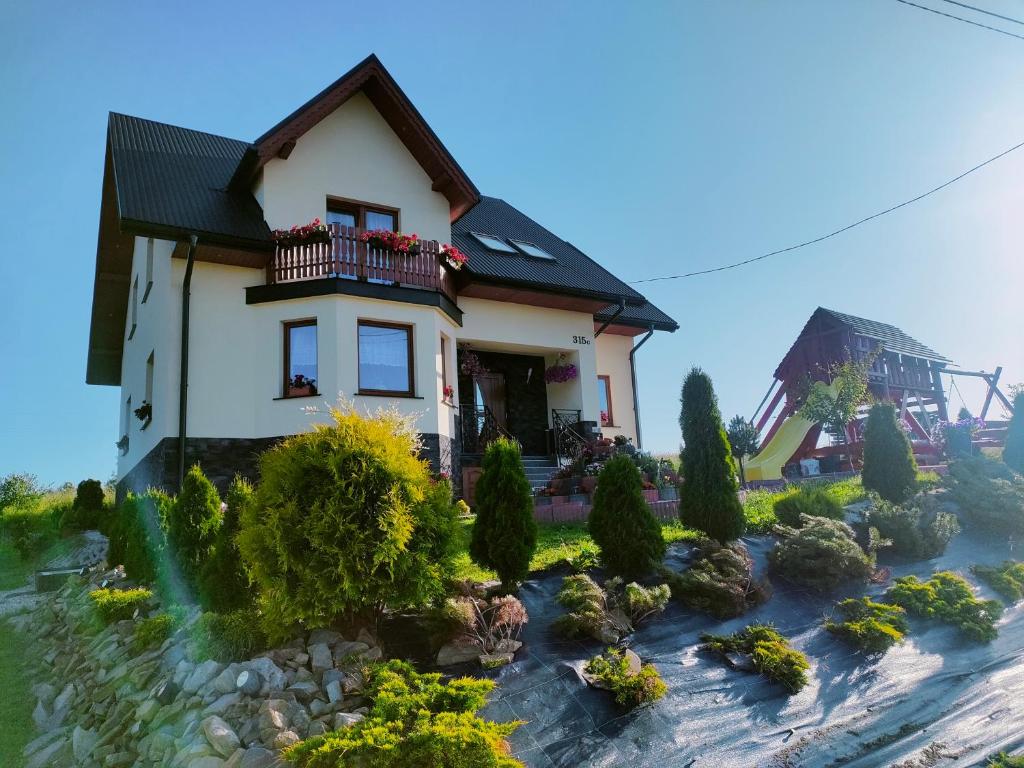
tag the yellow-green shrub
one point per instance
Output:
(611, 670)
(118, 604)
(948, 597)
(769, 652)
(1006, 579)
(151, 632)
(233, 636)
(871, 626)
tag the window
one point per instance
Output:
(300, 358)
(447, 391)
(149, 386)
(493, 243)
(385, 359)
(532, 250)
(363, 215)
(149, 269)
(128, 414)
(604, 400)
(135, 307)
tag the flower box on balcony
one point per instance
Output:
(453, 257)
(392, 241)
(309, 234)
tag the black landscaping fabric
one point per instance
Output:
(859, 711)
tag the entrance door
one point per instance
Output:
(489, 390)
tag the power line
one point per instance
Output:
(961, 18)
(838, 231)
(987, 13)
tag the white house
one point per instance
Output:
(212, 327)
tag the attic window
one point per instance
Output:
(531, 250)
(493, 243)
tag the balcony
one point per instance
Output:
(348, 265)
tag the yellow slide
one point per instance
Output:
(767, 465)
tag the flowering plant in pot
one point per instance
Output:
(448, 393)
(144, 412)
(453, 256)
(561, 371)
(956, 437)
(307, 234)
(122, 444)
(393, 241)
(299, 385)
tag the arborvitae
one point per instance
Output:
(621, 522)
(1013, 450)
(708, 499)
(889, 467)
(223, 585)
(192, 523)
(504, 533)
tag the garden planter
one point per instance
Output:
(564, 485)
(668, 494)
(588, 484)
(559, 499)
(542, 501)
(305, 391)
(580, 498)
(651, 494)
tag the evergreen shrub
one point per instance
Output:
(192, 523)
(889, 466)
(1006, 579)
(872, 627)
(1013, 448)
(607, 614)
(611, 670)
(919, 529)
(223, 585)
(989, 493)
(811, 500)
(119, 604)
(821, 555)
(87, 509)
(720, 581)
(769, 652)
(227, 637)
(621, 522)
(151, 632)
(948, 598)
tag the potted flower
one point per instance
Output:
(453, 257)
(392, 241)
(561, 372)
(448, 393)
(144, 412)
(301, 386)
(122, 445)
(307, 234)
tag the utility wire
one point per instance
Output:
(987, 13)
(866, 219)
(961, 18)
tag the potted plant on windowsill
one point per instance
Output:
(453, 257)
(301, 386)
(122, 445)
(392, 241)
(448, 394)
(144, 413)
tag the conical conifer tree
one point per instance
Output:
(889, 467)
(621, 522)
(1013, 450)
(504, 533)
(708, 499)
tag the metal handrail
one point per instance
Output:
(480, 428)
(568, 443)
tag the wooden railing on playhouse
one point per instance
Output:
(346, 256)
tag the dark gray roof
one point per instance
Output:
(891, 337)
(175, 179)
(571, 268)
(644, 316)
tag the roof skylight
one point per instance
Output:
(493, 243)
(531, 250)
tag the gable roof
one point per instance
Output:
(889, 336)
(174, 181)
(370, 77)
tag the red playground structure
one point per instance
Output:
(902, 371)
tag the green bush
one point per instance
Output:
(607, 614)
(151, 632)
(135, 537)
(192, 523)
(821, 555)
(118, 604)
(889, 466)
(87, 510)
(504, 532)
(720, 581)
(30, 528)
(708, 498)
(948, 598)
(611, 670)
(1013, 449)
(769, 653)
(872, 627)
(227, 637)
(1003, 760)
(415, 721)
(346, 520)
(919, 529)
(812, 500)
(989, 493)
(622, 524)
(1006, 579)
(19, 490)
(223, 585)
(583, 557)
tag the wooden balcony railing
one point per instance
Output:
(345, 256)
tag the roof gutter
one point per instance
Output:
(610, 320)
(632, 374)
(186, 291)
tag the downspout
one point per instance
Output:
(610, 320)
(632, 374)
(186, 289)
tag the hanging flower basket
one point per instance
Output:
(144, 412)
(471, 365)
(561, 372)
(308, 234)
(453, 257)
(392, 241)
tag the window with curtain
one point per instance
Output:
(365, 216)
(604, 400)
(300, 358)
(385, 358)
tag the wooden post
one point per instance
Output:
(991, 388)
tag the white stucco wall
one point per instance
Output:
(613, 361)
(352, 154)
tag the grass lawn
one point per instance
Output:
(15, 712)
(14, 572)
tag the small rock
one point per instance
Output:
(507, 646)
(346, 720)
(374, 653)
(40, 716)
(166, 692)
(365, 636)
(334, 691)
(208, 761)
(221, 736)
(320, 657)
(457, 652)
(740, 661)
(82, 742)
(225, 681)
(249, 682)
(351, 648)
(222, 704)
(258, 757)
(304, 691)
(285, 739)
(316, 728)
(201, 675)
(324, 636)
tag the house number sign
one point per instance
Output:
(580, 340)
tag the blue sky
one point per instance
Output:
(657, 137)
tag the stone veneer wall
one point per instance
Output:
(224, 457)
